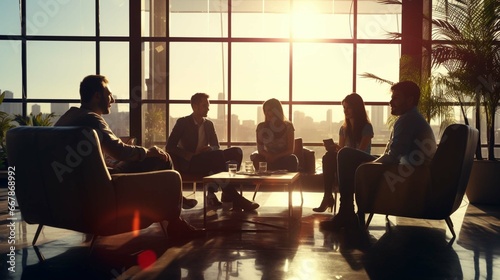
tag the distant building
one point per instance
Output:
(329, 116)
(377, 118)
(9, 107)
(35, 109)
(260, 114)
(221, 108)
(58, 108)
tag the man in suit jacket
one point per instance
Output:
(195, 149)
(96, 99)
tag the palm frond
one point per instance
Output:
(390, 2)
(376, 78)
(471, 54)
(35, 120)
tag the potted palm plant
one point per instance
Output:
(35, 120)
(434, 103)
(468, 34)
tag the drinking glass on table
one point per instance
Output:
(262, 167)
(231, 168)
(249, 167)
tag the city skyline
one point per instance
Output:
(243, 128)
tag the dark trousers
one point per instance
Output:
(348, 161)
(148, 164)
(210, 163)
(214, 161)
(329, 163)
(290, 162)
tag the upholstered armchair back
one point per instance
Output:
(451, 167)
(420, 192)
(306, 157)
(61, 179)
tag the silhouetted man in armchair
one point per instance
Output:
(96, 99)
(409, 132)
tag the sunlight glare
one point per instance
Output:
(305, 21)
(136, 222)
(303, 16)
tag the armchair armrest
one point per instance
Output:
(150, 196)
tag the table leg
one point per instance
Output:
(290, 204)
(301, 196)
(257, 186)
(204, 205)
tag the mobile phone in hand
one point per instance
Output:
(329, 144)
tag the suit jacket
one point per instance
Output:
(111, 145)
(183, 140)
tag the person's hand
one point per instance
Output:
(336, 147)
(156, 152)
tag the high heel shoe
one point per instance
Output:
(326, 203)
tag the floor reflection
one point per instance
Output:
(407, 252)
(480, 233)
(411, 249)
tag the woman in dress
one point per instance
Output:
(356, 132)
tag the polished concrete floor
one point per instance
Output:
(233, 249)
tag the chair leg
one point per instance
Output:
(369, 220)
(387, 223)
(450, 226)
(38, 230)
(255, 192)
(334, 203)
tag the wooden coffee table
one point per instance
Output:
(288, 179)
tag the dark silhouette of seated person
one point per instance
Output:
(275, 139)
(356, 132)
(96, 99)
(405, 146)
(195, 149)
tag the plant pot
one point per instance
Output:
(484, 182)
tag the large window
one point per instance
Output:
(307, 53)
(43, 62)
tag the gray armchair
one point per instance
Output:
(432, 192)
(62, 181)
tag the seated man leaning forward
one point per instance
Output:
(409, 131)
(195, 149)
(96, 100)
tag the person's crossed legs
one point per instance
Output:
(348, 160)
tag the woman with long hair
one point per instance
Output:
(275, 139)
(356, 132)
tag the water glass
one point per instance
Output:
(249, 167)
(231, 168)
(262, 167)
